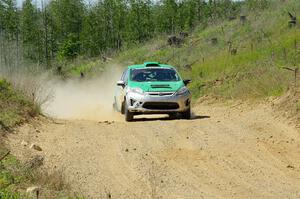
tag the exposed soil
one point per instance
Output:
(232, 151)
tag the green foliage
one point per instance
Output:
(9, 21)
(257, 4)
(12, 173)
(85, 66)
(10, 195)
(70, 48)
(31, 34)
(66, 28)
(65, 23)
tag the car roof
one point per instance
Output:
(150, 65)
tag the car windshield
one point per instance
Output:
(153, 75)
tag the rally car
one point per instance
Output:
(152, 88)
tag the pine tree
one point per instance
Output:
(140, 21)
(167, 20)
(10, 20)
(67, 21)
(30, 31)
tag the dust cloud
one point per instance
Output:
(84, 99)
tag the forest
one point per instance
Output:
(58, 30)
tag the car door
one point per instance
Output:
(121, 91)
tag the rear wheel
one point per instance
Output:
(187, 114)
(128, 114)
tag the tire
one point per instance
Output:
(187, 114)
(128, 114)
(123, 108)
(173, 116)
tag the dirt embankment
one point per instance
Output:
(224, 152)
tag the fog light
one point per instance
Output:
(132, 101)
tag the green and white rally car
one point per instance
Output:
(152, 88)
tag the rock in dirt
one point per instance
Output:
(36, 147)
(24, 143)
(33, 191)
(106, 122)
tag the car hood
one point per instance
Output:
(157, 86)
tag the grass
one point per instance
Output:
(85, 66)
(81, 65)
(10, 177)
(15, 107)
(11, 174)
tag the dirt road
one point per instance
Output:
(224, 152)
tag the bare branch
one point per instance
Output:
(5, 155)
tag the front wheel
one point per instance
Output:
(128, 114)
(187, 114)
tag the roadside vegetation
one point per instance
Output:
(15, 176)
(15, 107)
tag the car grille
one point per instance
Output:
(160, 86)
(161, 93)
(161, 105)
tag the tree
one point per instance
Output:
(92, 34)
(10, 20)
(30, 31)
(66, 21)
(166, 20)
(140, 24)
(70, 47)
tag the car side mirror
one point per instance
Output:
(187, 81)
(121, 83)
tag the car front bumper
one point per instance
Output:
(155, 103)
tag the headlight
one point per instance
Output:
(137, 90)
(182, 91)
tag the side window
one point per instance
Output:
(126, 76)
(123, 75)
